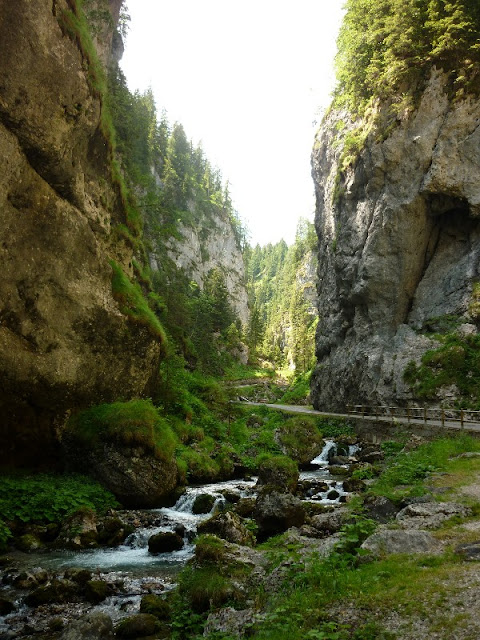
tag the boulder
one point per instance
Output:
(331, 522)
(165, 542)
(133, 474)
(245, 507)
(230, 622)
(276, 512)
(28, 543)
(469, 551)
(380, 509)
(30, 579)
(203, 503)
(279, 473)
(112, 531)
(228, 526)
(96, 591)
(57, 590)
(6, 606)
(354, 485)
(156, 606)
(138, 626)
(93, 626)
(389, 541)
(78, 575)
(430, 515)
(370, 454)
(79, 531)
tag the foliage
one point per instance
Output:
(335, 427)
(133, 304)
(48, 497)
(386, 49)
(299, 391)
(456, 361)
(283, 319)
(136, 422)
(5, 535)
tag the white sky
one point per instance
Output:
(247, 78)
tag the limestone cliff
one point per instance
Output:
(205, 245)
(64, 343)
(399, 246)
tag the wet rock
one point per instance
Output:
(31, 579)
(165, 542)
(112, 531)
(6, 606)
(93, 626)
(231, 496)
(138, 626)
(58, 590)
(328, 523)
(311, 487)
(339, 460)
(430, 515)
(78, 575)
(469, 551)
(400, 541)
(228, 526)
(333, 495)
(335, 470)
(156, 606)
(276, 512)
(79, 531)
(245, 507)
(96, 591)
(28, 543)
(380, 509)
(203, 503)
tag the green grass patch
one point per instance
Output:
(134, 305)
(132, 423)
(299, 391)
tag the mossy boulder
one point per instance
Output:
(300, 439)
(93, 626)
(58, 590)
(156, 606)
(79, 531)
(228, 526)
(276, 512)
(278, 472)
(28, 543)
(203, 503)
(96, 591)
(78, 575)
(138, 626)
(165, 542)
(128, 447)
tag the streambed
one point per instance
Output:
(130, 570)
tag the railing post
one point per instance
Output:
(376, 413)
(443, 417)
(425, 415)
(408, 415)
(461, 418)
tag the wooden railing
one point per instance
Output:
(423, 414)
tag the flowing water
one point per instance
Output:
(140, 572)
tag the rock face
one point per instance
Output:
(399, 245)
(63, 342)
(207, 245)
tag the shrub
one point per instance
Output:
(136, 422)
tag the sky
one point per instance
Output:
(249, 79)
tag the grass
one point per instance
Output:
(132, 423)
(134, 305)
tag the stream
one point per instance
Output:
(131, 569)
